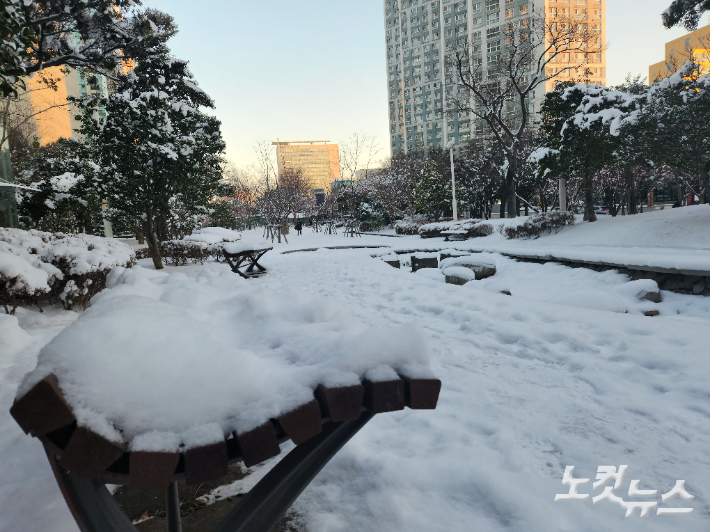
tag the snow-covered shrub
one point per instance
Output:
(480, 230)
(142, 253)
(473, 228)
(202, 245)
(409, 226)
(72, 268)
(534, 226)
(180, 252)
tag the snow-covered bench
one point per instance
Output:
(454, 234)
(245, 255)
(84, 460)
(139, 392)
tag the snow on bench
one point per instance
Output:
(238, 253)
(454, 235)
(170, 374)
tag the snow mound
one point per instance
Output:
(640, 289)
(592, 299)
(165, 358)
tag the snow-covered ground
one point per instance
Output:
(530, 385)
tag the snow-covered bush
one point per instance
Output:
(473, 228)
(180, 252)
(480, 230)
(202, 245)
(534, 226)
(66, 268)
(409, 226)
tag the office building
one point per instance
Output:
(695, 46)
(418, 33)
(317, 160)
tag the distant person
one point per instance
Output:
(299, 227)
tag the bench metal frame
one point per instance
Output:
(95, 510)
(251, 257)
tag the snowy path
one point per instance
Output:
(529, 387)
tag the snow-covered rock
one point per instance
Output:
(459, 275)
(482, 266)
(643, 289)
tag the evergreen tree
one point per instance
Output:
(161, 156)
(580, 133)
(67, 197)
(432, 192)
(685, 12)
(672, 128)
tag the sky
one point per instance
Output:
(316, 69)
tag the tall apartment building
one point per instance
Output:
(318, 161)
(417, 34)
(43, 113)
(695, 45)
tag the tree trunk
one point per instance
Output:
(161, 228)
(589, 214)
(510, 190)
(502, 206)
(705, 181)
(631, 187)
(152, 240)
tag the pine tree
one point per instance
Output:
(161, 156)
(432, 192)
(581, 133)
(66, 198)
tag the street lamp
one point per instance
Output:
(450, 147)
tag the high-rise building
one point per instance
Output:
(317, 160)
(417, 34)
(44, 114)
(695, 46)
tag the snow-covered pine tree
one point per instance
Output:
(432, 192)
(672, 126)
(161, 154)
(685, 12)
(67, 197)
(580, 133)
(37, 34)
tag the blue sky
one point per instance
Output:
(315, 69)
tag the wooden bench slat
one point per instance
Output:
(258, 444)
(152, 470)
(386, 396)
(421, 394)
(205, 463)
(43, 409)
(88, 453)
(302, 423)
(341, 403)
